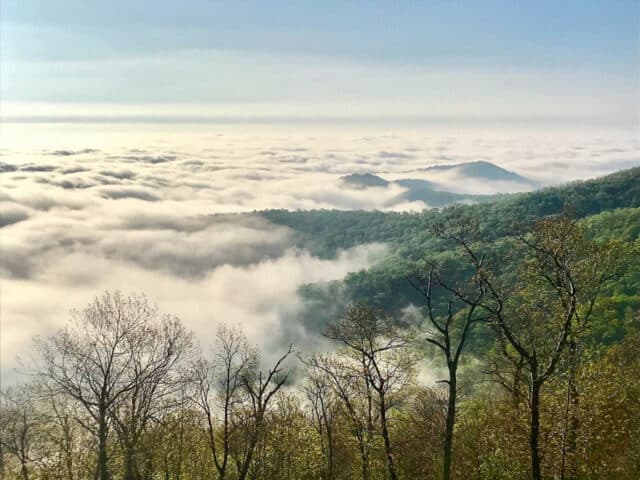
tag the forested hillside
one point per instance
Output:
(493, 341)
(325, 231)
(609, 208)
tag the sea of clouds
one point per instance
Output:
(155, 213)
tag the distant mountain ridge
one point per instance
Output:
(364, 180)
(481, 170)
(430, 193)
(417, 190)
(325, 232)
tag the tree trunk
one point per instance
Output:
(330, 452)
(244, 469)
(102, 467)
(568, 469)
(23, 470)
(69, 462)
(1, 461)
(364, 457)
(574, 425)
(450, 423)
(535, 431)
(385, 436)
(130, 472)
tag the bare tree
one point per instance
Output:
(234, 394)
(64, 432)
(355, 395)
(319, 391)
(156, 351)
(385, 361)
(19, 426)
(260, 386)
(94, 361)
(449, 332)
(219, 388)
(449, 323)
(536, 313)
(597, 264)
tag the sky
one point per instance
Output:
(200, 60)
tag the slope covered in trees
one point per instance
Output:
(326, 231)
(609, 208)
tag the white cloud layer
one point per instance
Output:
(91, 209)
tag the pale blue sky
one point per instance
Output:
(505, 59)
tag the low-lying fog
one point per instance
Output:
(136, 212)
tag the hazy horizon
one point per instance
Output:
(544, 60)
